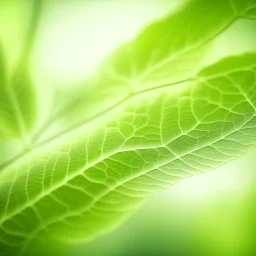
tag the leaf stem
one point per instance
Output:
(92, 118)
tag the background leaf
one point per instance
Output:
(18, 103)
(169, 50)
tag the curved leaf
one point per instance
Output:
(80, 187)
(167, 51)
(18, 104)
(151, 120)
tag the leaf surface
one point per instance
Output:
(80, 187)
(18, 96)
(17, 103)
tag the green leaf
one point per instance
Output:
(17, 103)
(16, 108)
(151, 118)
(167, 51)
(89, 183)
(244, 8)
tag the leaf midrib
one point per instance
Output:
(95, 162)
(92, 164)
(114, 107)
(119, 103)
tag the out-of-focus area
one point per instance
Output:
(209, 214)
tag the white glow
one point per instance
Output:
(231, 178)
(237, 39)
(77, 35)
(222, 180)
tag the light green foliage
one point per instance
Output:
(155, 120)
(167, 51)
(17, 103)
(18, 98)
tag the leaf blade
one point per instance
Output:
(93, 181)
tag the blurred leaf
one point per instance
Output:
(245, 9)
(17, 103)
(152, 119)
(169, 50)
